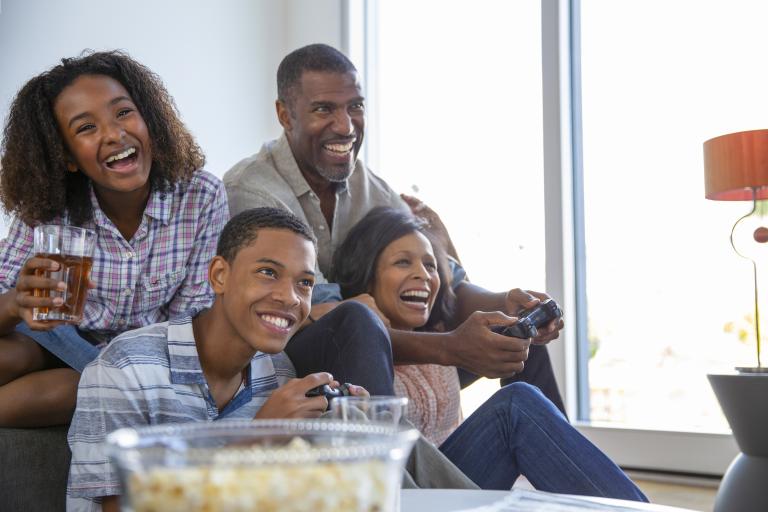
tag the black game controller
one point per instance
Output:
(530, 320)
(328, 392)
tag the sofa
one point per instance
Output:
(34, 464)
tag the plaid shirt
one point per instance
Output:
(161, 272)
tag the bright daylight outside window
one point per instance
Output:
(460, 125)
(668, 299)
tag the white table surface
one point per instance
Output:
(448, 500)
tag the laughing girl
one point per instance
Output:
(97, 142)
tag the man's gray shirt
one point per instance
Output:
(271, 177)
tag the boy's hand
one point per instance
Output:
(357, 390)
(289, 400)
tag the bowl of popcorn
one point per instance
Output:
(261, 465)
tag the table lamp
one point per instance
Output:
(736, 169)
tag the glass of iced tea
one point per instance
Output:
(72, 248)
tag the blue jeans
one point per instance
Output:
(351, 343)
(518, 431)
(65, 343)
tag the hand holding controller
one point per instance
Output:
(328, 392)
(530, 320)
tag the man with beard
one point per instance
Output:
(313, 171)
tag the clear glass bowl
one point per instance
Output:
(263, 465)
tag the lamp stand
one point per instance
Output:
(749, 238)
(743, 397)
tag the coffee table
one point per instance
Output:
(448, 500)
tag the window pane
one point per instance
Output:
(460, 125)
(668, 299)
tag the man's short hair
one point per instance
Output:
(242, 229)
(313, 57)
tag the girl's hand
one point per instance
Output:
(27, 282)
(290, 400)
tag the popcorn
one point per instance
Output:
(355, 486)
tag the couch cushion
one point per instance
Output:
(34, 464)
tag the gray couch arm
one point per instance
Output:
(34, 465)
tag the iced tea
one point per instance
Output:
(72, 247)
(74, 271)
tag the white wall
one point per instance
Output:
(217, 58)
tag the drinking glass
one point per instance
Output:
(72, 248)
(380, 408)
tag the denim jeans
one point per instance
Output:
(518, 431)
(537, 371)
(351, 343)
(65, 343)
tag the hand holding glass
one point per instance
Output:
(72, 248)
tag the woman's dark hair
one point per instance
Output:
(34, 182)
(354, 262)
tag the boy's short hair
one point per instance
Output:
(242, 229)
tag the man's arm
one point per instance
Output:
(471, 298)
(472, 346)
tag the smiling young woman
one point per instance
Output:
(96, 142)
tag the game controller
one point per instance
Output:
(328, 392)
(529, 321)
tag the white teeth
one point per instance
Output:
(276, 320)
(125, 154)
(416, 293)
(340, 148)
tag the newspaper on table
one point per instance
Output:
(524, 500)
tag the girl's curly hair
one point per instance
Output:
(34, 182)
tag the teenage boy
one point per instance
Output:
(222, 362)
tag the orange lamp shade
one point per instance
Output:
(735, 164)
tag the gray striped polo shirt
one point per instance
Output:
(149, 376)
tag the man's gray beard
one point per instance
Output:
(335, 176)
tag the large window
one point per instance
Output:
(456, 117)
(656, 296)
(668, 299)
